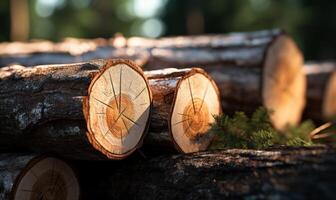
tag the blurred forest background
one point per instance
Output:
(311, 22)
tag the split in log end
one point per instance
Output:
(284, 82)
(46, 178)
(329, 103)
(195, 104)
(117, 109)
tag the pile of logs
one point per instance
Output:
(282, 173)
(89, 100)
(321, 95)
(98, 110)
(251, 69)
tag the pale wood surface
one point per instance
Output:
(284, 83)
(119, 107)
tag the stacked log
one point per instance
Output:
(102, 109)
(321, 91)
(48, 105)
(185, 102)
(26, 176)
(278, 173)
(80, 111)
(69, 50)
(251, 69)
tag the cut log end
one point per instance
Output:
(46, 178)
(118, 108)
(284, 82)
(329, 103)
(196, 102)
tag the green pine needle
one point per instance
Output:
(256, 132)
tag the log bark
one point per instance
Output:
(184, 103)
(68, 51)
(252, 69)
(64, 108)
(27, 176)
(321, 91)
(281, 173)
(269, 59)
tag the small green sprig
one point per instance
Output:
(256, 132)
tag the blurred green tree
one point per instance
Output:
(310, 22)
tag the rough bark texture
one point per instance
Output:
(318, 78)
(34, 100)
(240, 89)
(11, 166)
(281, 173)
(238, 49)
(163, 89)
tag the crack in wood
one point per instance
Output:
(142, 104)
(206, 90)
(126, 129)
(121, 113)
(139, 93)
(106, 93)
(129, 87)
(184, 114)
(115, 97)
(130, 120)
(189, 127)
(33, 173)
(181, 121)
(120, 88)
(192, 98)
(100, 101)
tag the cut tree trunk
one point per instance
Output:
(184, 103)
(30, 177)
(264, 67)
(321, 91)
(80, 111)
(279, 173)
(251, 69)
(68, 51)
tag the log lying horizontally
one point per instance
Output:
(68, 51)
(184, 103)
(321, 91)
(24, 177)
(251, 69)
(285, 173)
(42, 109)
